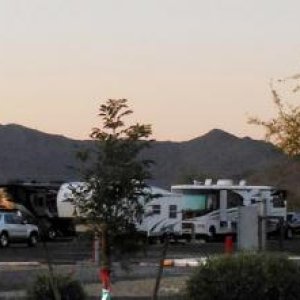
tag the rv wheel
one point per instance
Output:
(174, 237)
(52, 233)
(164, 238)
(289, 233)
(4, 241)
(212, 231)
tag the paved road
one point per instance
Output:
(63, 251)
(71, 251)
(74, 256)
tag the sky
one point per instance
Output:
(185, 66)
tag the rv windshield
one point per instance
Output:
(198, 202)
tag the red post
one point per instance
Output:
(228, 244)
(104, 276)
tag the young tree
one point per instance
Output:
(114, 184)
(284, 129)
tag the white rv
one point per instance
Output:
(212, 209)
(162, 215)
(66, 197)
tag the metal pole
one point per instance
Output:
(262, 227)
(96, 249)
(160, 269)
(281, 237)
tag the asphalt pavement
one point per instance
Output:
(20, 264)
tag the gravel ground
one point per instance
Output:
(170, 288)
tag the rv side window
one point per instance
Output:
(156, 209)
(172, 211)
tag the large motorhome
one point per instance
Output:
(212, 209)
(37, 202)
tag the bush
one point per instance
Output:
(68, 288)
(244, 277)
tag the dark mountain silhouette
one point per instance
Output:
(27, 154)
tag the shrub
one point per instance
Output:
(244, 277)
(68, 288)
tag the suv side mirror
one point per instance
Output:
(24, 221)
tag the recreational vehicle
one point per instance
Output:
(160, 215)
(211, 209)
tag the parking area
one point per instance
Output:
(76, 250)
(19, 265)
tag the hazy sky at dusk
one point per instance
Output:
(185, 66)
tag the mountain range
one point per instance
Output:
(31, 155)
(28, 154)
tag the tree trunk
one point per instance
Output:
(161, 268)
(53, 282)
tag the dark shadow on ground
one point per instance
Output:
(143, 298)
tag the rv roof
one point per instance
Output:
(220, 187)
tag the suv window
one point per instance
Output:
(12, 219)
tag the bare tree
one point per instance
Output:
(284, 129)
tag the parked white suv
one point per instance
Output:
(13, 228)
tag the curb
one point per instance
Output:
(13, 295)
(190, 262)
(183, 262)
(178, 262)
(20, 263)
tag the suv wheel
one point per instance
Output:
(4, 241)
(33, 239)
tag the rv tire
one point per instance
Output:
(212, 231)
(151, 240)
(202, 238)
(289, 233)
(52, 234)
(165, 237)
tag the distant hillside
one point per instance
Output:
(217, 153)
(27, 154)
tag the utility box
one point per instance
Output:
(247, 231)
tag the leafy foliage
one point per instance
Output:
(117, 179)
(67, 287)
(245, 277)
(284, 129)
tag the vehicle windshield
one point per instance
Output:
(198, 202)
